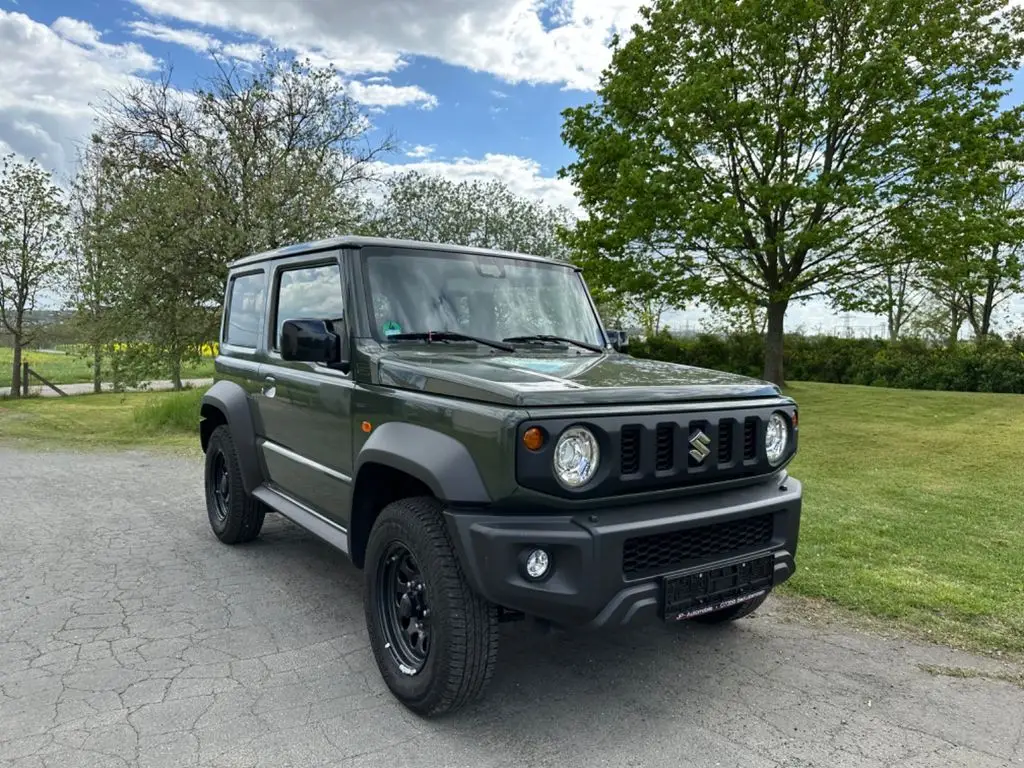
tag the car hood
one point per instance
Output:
(529, 380)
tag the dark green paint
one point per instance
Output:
(474, 394)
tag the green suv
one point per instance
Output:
(458, 423)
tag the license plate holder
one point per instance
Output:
(687, 595)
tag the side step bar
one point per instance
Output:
(303, 516)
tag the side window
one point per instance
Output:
(245, 308)
(309, 292)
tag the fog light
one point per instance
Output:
(537, 564)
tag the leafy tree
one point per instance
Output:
(166, 275)
(32, 242)
(283, 150)
(93, 275)
(766, 145)
(418, 206)
(251, 160)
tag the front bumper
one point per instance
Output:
(593, 582)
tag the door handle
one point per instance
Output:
(269, 386)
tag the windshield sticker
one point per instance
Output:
(390, 328)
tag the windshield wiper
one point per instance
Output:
(562, 339)
(430, 336)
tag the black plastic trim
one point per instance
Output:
(586, 586)
(439, 461)
(233, 402)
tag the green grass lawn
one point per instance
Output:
(63, 367)
(166, 420)
(913, 509)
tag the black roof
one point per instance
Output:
(359, 241)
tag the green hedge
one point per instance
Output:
(995, 366)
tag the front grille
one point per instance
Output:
(665, 447)
(654, 451)
(724, 442)
(663, 552)
(749, 439)
(630, 450)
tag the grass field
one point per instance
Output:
(143, 419)
(913, 510)
(63, 367)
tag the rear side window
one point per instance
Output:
(245, 307)
(309, 292)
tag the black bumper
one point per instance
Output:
(608, 566)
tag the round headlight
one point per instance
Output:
(777, 438)
(576, 457)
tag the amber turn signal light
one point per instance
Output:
(533, 438)
(367, 426)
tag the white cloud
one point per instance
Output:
(244, 51)
(506, 38)
(50, 80)
(381, 95)
(499, 94)
(189, 38)
(521, 174)
(196, 40)
(420, 151)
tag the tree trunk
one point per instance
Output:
(773, 343)
(97, 368)
(16, 369)
(176, 372)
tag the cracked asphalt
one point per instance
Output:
(130, 637)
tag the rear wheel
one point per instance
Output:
(235, 516)
(435, 641)
(733, 612)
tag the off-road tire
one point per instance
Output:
(463, 629)
(733, 612)
(241, 518)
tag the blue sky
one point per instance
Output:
(473, 89)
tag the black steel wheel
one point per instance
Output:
(235, 516)
(435, 641)
(221, 486)
(403, 606)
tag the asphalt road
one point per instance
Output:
(130, 637)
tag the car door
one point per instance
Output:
(306, 408)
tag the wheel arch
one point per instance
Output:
(226, 403)
(402, 460)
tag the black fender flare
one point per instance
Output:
(437, 460)
(232, 402)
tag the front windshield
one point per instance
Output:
(485, 296)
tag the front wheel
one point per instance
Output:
(235, 516)
(434, 640)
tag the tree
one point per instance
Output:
(285, 152)
(32, 240)
(419, 206)
(990, 271)
(166, 274)
(251, 160)
(768, 144)
(92, 265)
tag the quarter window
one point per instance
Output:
(309, 292)
(245, 307)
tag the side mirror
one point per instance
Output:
(314, 341)
(619, 339)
